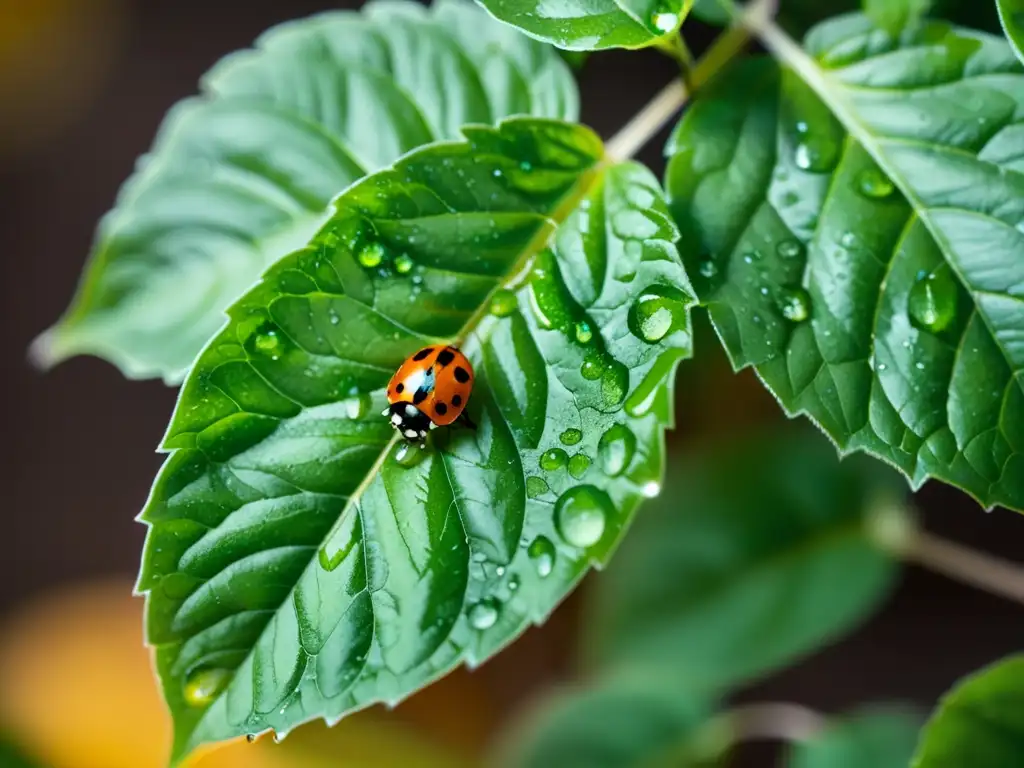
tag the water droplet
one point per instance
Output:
(553, 459)
(204, 685)
(664, 22)
(931, 302)
(615, 450)
(503, 303)
(578, 465)
(571, 436)
(795, 304)
(525, 165)
(583, 332)
(500, 571)
(542, 554)
(707, 268)
(409, 454)
(536, 486)
(816, 154)
(371, 255)
(496, 173)
(873, 183)
(591, 369)
(650, 489)
(269, 343)
(580, 515)
(659, 311)
(513, 583)
(614, 383)
(403, 263)
(789, 249)
(484, 614)
(848, 240)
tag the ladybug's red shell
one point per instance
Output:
(437, 380)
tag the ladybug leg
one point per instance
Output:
(464, 418)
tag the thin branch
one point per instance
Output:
(979, 569)
(775, 721)
(663, 107)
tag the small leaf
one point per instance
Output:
(243, 174)
(1011, 16)
(895, 15)
(722, 581)
(591, 25)
(980, 723)
(880, 736)
(319, 566)
(863, 254)
(619, 721)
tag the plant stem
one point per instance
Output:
(979, 569)
(776, 721)
(649, 120)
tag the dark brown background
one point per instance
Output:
(78, 442)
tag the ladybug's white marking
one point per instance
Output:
(412, 433)
(410, 411)
(396, 419)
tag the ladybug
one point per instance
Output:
(429, 389)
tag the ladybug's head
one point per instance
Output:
(411, 423)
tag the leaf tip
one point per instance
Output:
(46, 350)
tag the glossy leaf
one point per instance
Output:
(302, 564)
(864, 254)
(980, 723)
(895, 15)
(591, 25)
(243, 174)
(1011, 16)
(619, 721)
(877, 736)
(757, 553)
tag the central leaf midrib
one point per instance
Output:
(814, 76)
(588, 179)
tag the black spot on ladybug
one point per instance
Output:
(445, 356)
(461, 374)
(420, 396)
(423, 353)
(441, 409)
(400, 388)
(456, 400)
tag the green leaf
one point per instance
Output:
(11, 755)
(880, 736)
(980, 723)
(619, 721)
(243, 174)
(711, 12)
(895, 15)
(1011, 16)
(722, 581)
(592, 25)
(300, 563)
(862, 251)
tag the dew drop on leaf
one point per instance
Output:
(268, 342)
(614, 383)
(484, 615)
(536, 486)
(664, 22)
(371, 255)
(873, 183)
(583, 332)
(553, 459)
(409, 454)
(931, 302)
(542, 554)
(656, 314)
(580, 515)
(615, 450)
(503, 303)
(816, 154)
(513, 583)
(794, 304)
(707, 268)
(789, 249)
(578, 465)
(403, 263)
(571, 436)
(591, 369)
(203, 685)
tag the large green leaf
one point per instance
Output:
(590, 25)
(757, 552)
(980, 723)
(894, 15)
(637, 720)
(296, 549)
(861, 241)
(1011, 16)
(874, 737)
(243, 174)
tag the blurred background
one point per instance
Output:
(83, 87)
